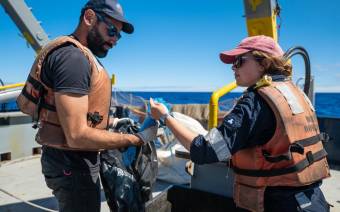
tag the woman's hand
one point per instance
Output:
(157, 109)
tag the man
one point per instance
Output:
(68, 94)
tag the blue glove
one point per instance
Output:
(148, 130)
(129, 156)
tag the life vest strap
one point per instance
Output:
(309, 160)
(36, 101)
(36, 84)
(324, 137)
(295, 147)
(298, 147)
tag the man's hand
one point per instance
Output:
(148, 134)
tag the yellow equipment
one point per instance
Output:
(261, 20)
(261, 17)
(16, 85)
(213, 105)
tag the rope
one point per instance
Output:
(27, 202)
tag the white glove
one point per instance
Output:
(118, 123)
(148, 134)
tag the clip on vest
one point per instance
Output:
(295, 147)
(325, 137)
(95, 117)
(36, 115)
(310, 157)
(264, 81)
(36, 124)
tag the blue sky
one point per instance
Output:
(176, 43)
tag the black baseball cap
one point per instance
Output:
(112, 9)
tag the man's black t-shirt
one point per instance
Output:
(67, 70)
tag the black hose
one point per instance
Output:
(301, 51)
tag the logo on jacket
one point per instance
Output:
(230, 121)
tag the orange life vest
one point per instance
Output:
(37, 99)
(294, 156)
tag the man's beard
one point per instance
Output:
(95, 43)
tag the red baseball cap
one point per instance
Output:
(261, 43)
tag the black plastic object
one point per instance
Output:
(119, 112)
(183, 198)
(302, 51)
(128, 188)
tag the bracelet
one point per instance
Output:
(163, 118)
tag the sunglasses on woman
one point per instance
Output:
(240, 60)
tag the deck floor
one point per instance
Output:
(23, 179)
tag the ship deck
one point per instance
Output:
(22, 178)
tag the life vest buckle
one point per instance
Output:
(310, 157)
(325, 137)
(264, 81)
(36, 125)
(296, 147)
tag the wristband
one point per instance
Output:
(163, 117)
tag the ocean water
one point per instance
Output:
(326, 104)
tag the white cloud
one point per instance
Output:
(335, 88)
(176, 88)
(167, 88)
(327, 67)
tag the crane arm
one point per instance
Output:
(30, 28)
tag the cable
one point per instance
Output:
(27, 202)
(301, 51)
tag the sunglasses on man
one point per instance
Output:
(112, 30)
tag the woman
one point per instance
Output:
(271, 135)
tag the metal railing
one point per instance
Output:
(213, 105)
(16, 85)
